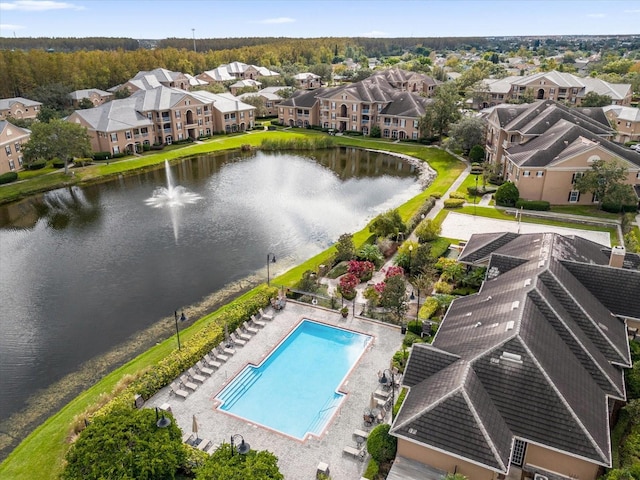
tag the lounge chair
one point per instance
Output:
(203, 369)
(212, 363)
(176, 390)
(264, 316)
(225, 351)
(186, 437)
(360, 433)
(187, 383)
(241, 335)
(213, 448)
(204, 444)
(250, 330)
(237, 341)
(218, 356)
(195, 376)
(358, 453)
(257, 323)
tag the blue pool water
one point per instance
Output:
(294, 389)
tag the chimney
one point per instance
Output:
(617, 256)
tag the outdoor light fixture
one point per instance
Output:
(383, 380)
(271, 258)
(183, 318)
(243, 447)
(163, 422)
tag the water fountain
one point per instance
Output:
(173, 198)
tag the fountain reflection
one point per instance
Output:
(172, 198)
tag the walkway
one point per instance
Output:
(296, 459)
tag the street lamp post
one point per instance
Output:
(193, 30)
(271, 258)
(243, 447)
(163, 422)
(475, 195)
(182, 319)
(383, 380)
(410, 255)
(418, 309)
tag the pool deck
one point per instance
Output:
(296, 459)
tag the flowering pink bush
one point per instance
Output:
(379, 287)
(361, 269)
(393, 271)
(347, 285)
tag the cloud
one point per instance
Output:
(632, 11)
(271, 21)
(9, 27)
(374, 33)
(37, 6)
(596, 15)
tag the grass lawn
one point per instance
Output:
(41, 454)
(585, 210)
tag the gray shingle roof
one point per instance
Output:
(6, 103)
(544, 350)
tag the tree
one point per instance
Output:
(593, 99)
(387, 224)
(57, 139)
(345, 250)
(443, 111)
(324, 70)
(85, 103)
(126, 443)
(602, 180)
(258, 102)
(507, 195)
(466, 133)
(394, 296)
(255, 465)
(476, 154)
(428, 230)
(371, 253)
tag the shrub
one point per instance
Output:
(415, 326)
(429, 308)
(303, 143)
(347, 286)
(372, 470)
(102, 155)
(421, 213)
(380, 445)
(399, 401)
(453, 203)
(617, 207)
(8, 177)
(428, 230)
(457, 195)
(476, 154)
(540, 205)
(362, 270)
(507, 195)
(57, 163)
(400, 359)
(37, 165)
(338, 270)
(410, 338)
(439, 248)
(443, 287)
(436, 195)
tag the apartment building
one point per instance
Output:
(307, 81)
(626, 122)
(94, 95)
(12, 139)
(19, 107)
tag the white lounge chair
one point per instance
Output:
(257, 323)
(186, 437)
(203, 369)
(227, 351)
(212, 363)
(213, 448)
(195, 376)
(356, 452)
(176, 390)
(187, 383)
(264, 316)
(204, 444)
(237, 341)
(250, 330)
(242, 336)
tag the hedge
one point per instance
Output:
(453, 203)
(617, 208)
(171, 366)
(428, 309)
(36, 165)
(457, 195)
(8, 177)
(540, 205)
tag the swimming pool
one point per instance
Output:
(293, 390)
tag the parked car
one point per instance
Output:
(635, 147)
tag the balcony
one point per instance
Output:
(365, 111)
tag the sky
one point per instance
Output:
(158, 19)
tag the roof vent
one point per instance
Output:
(413, 431)
(509, 326)
(515, 304)
(494, 360)
(488, 298)
(511, 357)
(468, 314)
(617, 256)
(478, 324)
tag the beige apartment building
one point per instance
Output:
(360, 106)
(625, 121)
(19, 107)
(543, 147)
(307, 81)
(515, 383)
(94, 95)
(12, 139)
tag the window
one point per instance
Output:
(200, 122)
(116, 149)
(575, 177)
(241, 114)
(354, 108)
(114, 138)
(179, 125)
(12, 165)
(526, 173)
(20, 160)
(415, 124)
(178, 114)
(199, 110)
(354, 118)
(519, 447)
(539, 173)
(127, 134)
(627, 124)
(333, 104)
(7, 149)
(574, 196)
(17, 146)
